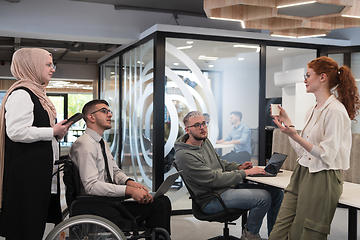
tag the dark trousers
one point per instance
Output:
(239, 157)
(155, 214)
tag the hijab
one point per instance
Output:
(27, 67)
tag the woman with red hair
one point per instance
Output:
(323, 148)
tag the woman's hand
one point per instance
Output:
(283, 116)
(61, 130)
(287, 129)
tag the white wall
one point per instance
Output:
(298, 61)
(240, 90)
(272, 91)
(295, 99)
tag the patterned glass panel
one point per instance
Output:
(137, 110)
(110, 92)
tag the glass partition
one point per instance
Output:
(212, 77)
(285, 69)
(137, 111)
(109, 91)
(355, 68)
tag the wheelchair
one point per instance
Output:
(96, 217)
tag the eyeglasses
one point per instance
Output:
(198, 125)
(103, 110)
(306, 76)
(50, 65)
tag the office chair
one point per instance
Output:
(226, 216)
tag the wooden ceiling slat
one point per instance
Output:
(262, 14)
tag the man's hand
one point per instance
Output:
(255, 170)
(136, 185)
(139, 195)
(246, 165)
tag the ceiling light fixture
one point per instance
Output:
(281, 49)
(211, 65)
(176, 64)
(189, 42)
(350, 16)
(203, 57)
(245, 46)
(184, 47)
(248, 46)
(230, 19)
(282, 36)
(240, 59)
(295, 4)
(311, 36)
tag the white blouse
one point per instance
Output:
(19, 117)
(329, 130)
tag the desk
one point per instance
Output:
(223, 149)
(217, 146)
(349, 199)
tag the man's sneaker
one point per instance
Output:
(247, 235)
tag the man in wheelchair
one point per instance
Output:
(101, 176)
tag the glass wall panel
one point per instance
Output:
(76, 102)
(339, 58)
(355, 68)
(109, 91)
(137, 113)
(285, 69)
(212, 77)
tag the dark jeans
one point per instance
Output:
(239, 157)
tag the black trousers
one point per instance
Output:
(155, 214)
(239, 157)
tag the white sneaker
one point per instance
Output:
(247, 235)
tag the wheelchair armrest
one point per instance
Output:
(100, 198)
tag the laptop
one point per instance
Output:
(164, 187)
(273, 166)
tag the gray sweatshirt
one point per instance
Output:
(203, 170)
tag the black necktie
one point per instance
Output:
(106, 161)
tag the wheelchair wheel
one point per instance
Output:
(86, 227)
(65, 214)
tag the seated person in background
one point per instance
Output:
(240, 136)
(87, 153)
(204, 172)
(206, 117)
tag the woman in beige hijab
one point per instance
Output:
(28, 146)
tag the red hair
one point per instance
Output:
(341, 83)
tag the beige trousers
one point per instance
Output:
(309, 205)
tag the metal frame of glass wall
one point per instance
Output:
(159, 41)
